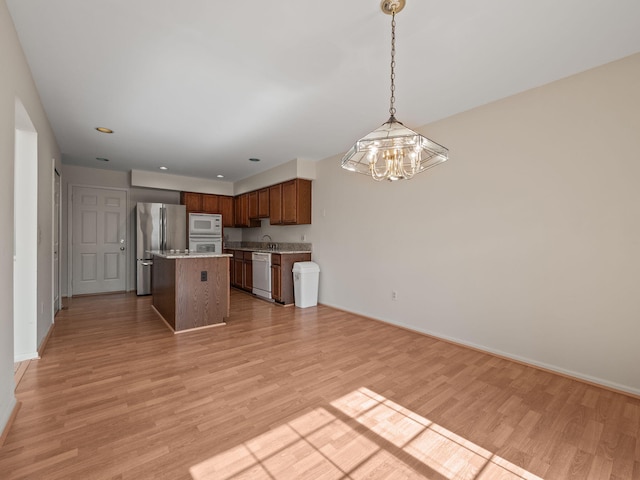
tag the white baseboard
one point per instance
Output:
(6, 413)
(25, 356)
(524, 360)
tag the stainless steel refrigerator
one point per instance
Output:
(159, 227)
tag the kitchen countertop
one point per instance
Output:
(280, 248)
(263, 250)
(178, 254)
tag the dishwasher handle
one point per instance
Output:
(261, 257)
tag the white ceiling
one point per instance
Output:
(200, 86)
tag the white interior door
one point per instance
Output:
(99, 233)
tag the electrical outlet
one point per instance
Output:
(394, 295)
(303, 238)
(203, 276)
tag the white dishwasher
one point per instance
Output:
(261, 263)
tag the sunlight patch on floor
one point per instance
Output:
(360, 435)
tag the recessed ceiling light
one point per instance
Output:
(104, 130)
(102, 159)
(220, 176)
(254, 159)
(164, 168)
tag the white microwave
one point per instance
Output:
(205, 224)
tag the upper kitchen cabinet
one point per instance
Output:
(263, 203)
(275, 204)
(193, 201)
(241, 205)
(287, 203)
(226, 209)
(253, 205)
(259, 203)
(210, 203)
(290, 203)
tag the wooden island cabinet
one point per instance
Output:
(191, 290)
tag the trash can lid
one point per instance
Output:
(306, 267)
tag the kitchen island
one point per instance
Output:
(190, 290)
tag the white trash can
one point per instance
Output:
(305, 283)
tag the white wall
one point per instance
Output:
(25, 273)
(16, 82)
(525, 243)
(160, 180)
(297, 168)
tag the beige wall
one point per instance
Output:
(16, 82)
(525, 243)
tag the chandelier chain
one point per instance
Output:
(392, 108)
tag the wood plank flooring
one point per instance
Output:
(286, 393)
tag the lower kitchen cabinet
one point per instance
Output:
(247, 272)
(276, 278)
(282, 275)
(231, 265)
(242, 270)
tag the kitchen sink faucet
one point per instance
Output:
(270, 245)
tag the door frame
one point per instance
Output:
(70, 188)
(57, 177)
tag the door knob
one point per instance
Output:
(121, 248)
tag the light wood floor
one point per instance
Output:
(285, 393)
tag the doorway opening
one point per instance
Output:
(25, 241)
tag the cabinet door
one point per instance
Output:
(193, 201)
(296, 202)
(263, 203)
(210, 203)
(286, 276)
(276, 283)
(253, 205)
(226, 209)
(289, 202)
(232, 272)
(241, 209)
(247, 282)
(237, 272)
(275, 204)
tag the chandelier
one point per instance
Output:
(393, 151)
